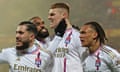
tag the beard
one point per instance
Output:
(24, 46)
(42, 34)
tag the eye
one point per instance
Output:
(20, 32)
(82, 32)
(52, 14)
(37, 23)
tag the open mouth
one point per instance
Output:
(81, 40)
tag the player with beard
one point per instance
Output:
(43, 34)
(24, 45)
(43, 37)
(28, 56)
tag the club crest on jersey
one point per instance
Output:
(67, 41)
(38, 60)
(98, 63)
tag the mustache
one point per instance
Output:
(24, 46)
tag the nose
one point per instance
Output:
(49, 17)
(17, 35)
(81, 36)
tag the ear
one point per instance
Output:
(32, 36)
(65, 15)
(95, 34)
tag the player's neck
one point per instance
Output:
(94, 47)
(68, 23)
(31, 45)
(69, 26)
(28, 50)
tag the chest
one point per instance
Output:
(92, 63)
(26, 63)
(68, 46)
(67, 41)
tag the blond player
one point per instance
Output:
(67, 55)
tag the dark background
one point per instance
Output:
(106, 12)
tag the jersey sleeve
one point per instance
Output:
(112, 59)
(54, 43)
(47, 64)
(111, 63)
(50, 63)
(3, 56)
(116, 61)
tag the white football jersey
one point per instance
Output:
(36, 59)
(46, 43)
(67, 54)
(105, 59)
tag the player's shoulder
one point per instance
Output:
(75, 33)
(112, 53)
(45, 51)
(8, 50)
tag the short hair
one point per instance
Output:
(98, 28)
(61, 5)
(36, 17)
(30, 27)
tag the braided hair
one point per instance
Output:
(101, 34)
